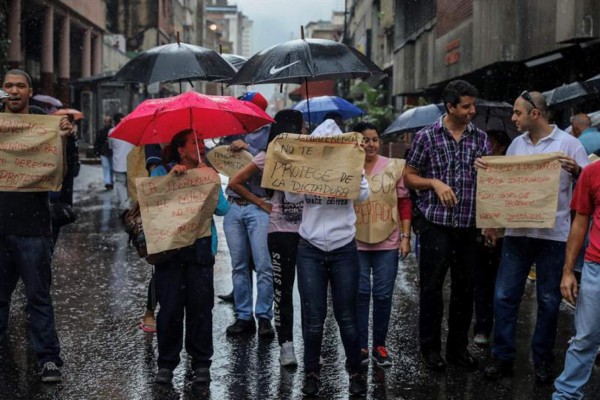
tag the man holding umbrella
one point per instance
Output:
(246, 230)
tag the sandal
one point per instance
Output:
(148, 328)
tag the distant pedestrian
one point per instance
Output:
(26, 247)
(102, 149)
(120, 150)
(328, 258)
(588, 135)
(523, 247)
(383, 232)
(440, 166)
(584, 346)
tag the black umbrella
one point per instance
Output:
(568, 94)
(303, 60)
(494, 116)
(175, 62)
(235, 60)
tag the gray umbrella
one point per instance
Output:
(415, 118)
(235, 60)
(568, 94)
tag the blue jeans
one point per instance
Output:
(518, 254)
(383, 266)
(317, 269)
(107, 173)
(584, 346)
(246, 230)
(30, 258)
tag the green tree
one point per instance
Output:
(373, 102)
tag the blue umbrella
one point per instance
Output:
(415, 119)
(320, 106)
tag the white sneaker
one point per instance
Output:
(287, 358)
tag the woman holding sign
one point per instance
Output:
(382, 231)
(184, 283)
(284, 221)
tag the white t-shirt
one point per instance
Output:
(120, 150)
(557, 141)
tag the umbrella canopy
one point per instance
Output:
(66, 111)
(415, 119)
(235, 60)
(43, 98)
(320, 106)
(175, 62)
(297, 61)
(158, 120)
(594, 82)
(495, 116)
(568, 94)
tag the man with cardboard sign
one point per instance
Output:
(524, 246)
(177, 210)
(31, 162)
(228, 162)
(518, 191)
(323, 166)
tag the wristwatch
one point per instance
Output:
(404, 235)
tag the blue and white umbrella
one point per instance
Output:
(320, 106)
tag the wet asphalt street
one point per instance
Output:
(99, 289)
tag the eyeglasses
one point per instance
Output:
(527, 97)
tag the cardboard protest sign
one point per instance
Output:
(328, 166)
(518, 191)
(136, 168)
(228, 162)
(177, 210)
(377, 217)
(31, 153)
(593, 158)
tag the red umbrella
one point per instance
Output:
(158, 120)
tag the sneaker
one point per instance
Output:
(265, 329)
(358, 384)
(462, 359)
(434, 361)
(481, 339)
(312, 384)
(364, 356)
(201, 376)
(227, 298)
(241, 326)
(51, 373)
(163, 376)
(287, 358)
(381, 357)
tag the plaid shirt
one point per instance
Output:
(436, 155)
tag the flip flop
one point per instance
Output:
(148, 328)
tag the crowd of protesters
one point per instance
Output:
(277, 235)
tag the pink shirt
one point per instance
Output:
(285, 216)
(393, 241)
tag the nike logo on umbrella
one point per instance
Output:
(275, 70)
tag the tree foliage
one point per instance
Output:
(373, 102)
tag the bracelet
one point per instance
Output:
(405, 235)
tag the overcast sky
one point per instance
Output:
(277, 21)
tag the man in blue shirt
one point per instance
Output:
(588, 136)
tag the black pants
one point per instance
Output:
(444, 248)
(283, 247)
(486, 269)
(184, 285)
